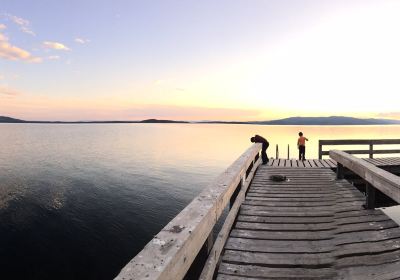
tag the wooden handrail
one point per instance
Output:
(382, 180)
(370, 151)
(169, 255)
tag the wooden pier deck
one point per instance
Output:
(309, 227)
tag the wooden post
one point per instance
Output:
(370, 192)
(209, 243)
(339, 171)
(236, 192)
(319, 150)
(371, 150)
(277, 152)
(288, 151)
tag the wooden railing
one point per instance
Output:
(370, 151)
(375, 177)
(170, 254)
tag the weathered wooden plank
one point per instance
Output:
(284, 220)
(318, 163)
(324, 163)
(366, 236)
(307, 164)
(366, 248)
(332, 163)
(293, 191)
(369, 260)
(272, 272)
(222, 276)
(311, 163)
(273, 259)
(367, 226)
(286, 214)
(293, 199)
(286, 227)
(361, 219)
(301, 163)
(280, 235)
(278, 246)
(314, 209)
(356, 213)
(287, 204)
(379, 272)
(291, 195)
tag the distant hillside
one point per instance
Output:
(334, 120)
(161, 121)
(9, 120)
(12, 120)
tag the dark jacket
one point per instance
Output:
(259, 139)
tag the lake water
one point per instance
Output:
(79, 201)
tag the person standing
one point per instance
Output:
(301, 144)
(265, 144)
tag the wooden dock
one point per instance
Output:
(314, 225)
(309, 227)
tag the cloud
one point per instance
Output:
(2, 26)
(4, 90)
(82, 41)
(24, 24)
(10, 52)
(55, 46)
(53, 57)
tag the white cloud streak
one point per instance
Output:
(24, 24)
(11, 52)
(82, 41)
(55, 46)
(53, 57)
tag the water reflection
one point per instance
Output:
(78, 201)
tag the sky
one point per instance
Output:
(199, 60)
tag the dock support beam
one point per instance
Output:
(370, 199)
(236, 192)
(339, 171)
(371, 150)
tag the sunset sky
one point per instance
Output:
(198, 60)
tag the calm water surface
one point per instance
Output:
(79, 201)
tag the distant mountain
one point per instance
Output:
(333, 120)
(161, 121)
(9, 120)
(12, 120)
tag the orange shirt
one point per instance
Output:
(302, 141)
